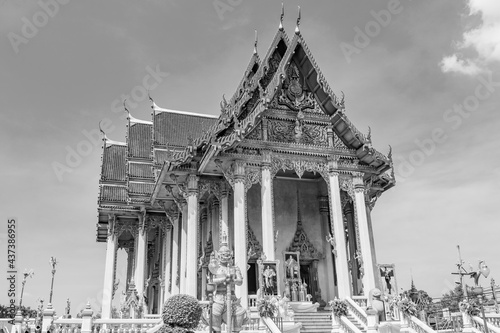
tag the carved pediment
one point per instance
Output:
(301, 242)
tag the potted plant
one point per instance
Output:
(181, 314)
(339, 307)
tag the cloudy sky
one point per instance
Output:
(424, 75)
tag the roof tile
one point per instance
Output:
(140, 188)
(113, 193)
(140, 170)
(114, 163)
(175, 128)
(139, 140)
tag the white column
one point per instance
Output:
(192, 237)
(240, 233)
(184, 247)
(369, 207)
(267, 209)
(109, 273)
(215, 223)
(364, 236)
(175, 255)
(323, 211)
(344, 284)
(167, 239)
(224, 215)
(140, 260)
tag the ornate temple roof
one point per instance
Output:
(286, 87)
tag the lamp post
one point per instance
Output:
(478, 290)
(53, 263)
(26, 275)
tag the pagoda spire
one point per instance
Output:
(297, 29)
(255, 43)
(282, 15)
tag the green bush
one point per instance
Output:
(181, 314)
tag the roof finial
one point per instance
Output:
(282, 15)
(389, 155)
(104, 137)
(255, 43)
(369, 136)
(297, 30)
(125, 107)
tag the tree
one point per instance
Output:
(26, 312)
(451, 299)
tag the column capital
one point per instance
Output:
(324, 204)
(192, 184)
(239, 170)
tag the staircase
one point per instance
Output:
(356, 323)
(314, 322)
(321, 321)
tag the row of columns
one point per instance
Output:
(182, 253)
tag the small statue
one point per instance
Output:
(303, 291)
(292, 267)
(294, 292)
(287, 289)
(330, 239)
(68, 307)
(269, 274)
(224, 276)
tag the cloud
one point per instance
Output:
(483, 40)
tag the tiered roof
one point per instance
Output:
(133, 173)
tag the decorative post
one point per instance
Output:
(335, 324)
(18, 321)
(467, 323)
(87, 319)
(372, 320)
(48, 317)
(240, 232)
(267, 207)
(192, 237)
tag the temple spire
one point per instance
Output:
(282, 15)
(255, 43)
(297, 30)
(299, 217)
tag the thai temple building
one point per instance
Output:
(281, 176)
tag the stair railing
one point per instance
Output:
(270, 324)
(478, 324)
(415, 325)
(346, 326)
(356, 311)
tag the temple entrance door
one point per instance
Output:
(253, 281)
(309, 275)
